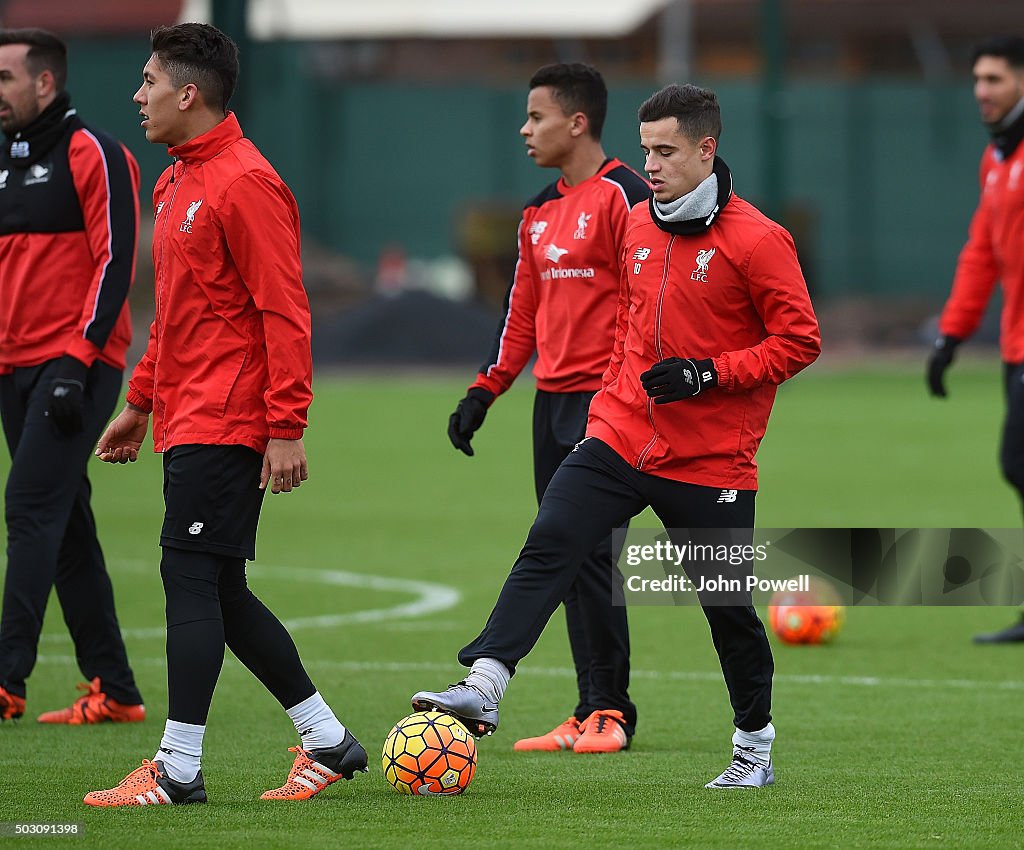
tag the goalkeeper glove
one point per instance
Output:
(939, 361)
(677, 378)
(67, 395)
(468, 417)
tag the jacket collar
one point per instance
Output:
(211, 143)
(32, 143)
(1008, 133)
(699, 225)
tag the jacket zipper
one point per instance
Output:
(657, 348)
(160, 288)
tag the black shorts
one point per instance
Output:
(212, 499)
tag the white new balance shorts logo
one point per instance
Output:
(727, 496)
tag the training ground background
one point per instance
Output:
(901, 734)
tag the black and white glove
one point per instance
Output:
(938, 362)
(678, 378)
(468, 417)
(67, 395)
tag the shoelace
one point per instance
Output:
(739, 768)
(146, 766)
(304, 752)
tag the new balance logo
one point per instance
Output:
(20, 150)
(728, 496)
(536, 230)
(196, 527)
(640, 254)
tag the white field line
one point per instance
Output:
(452, 670)
(430, 598)
(434, 597)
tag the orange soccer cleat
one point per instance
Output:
(602, 732)
(562, 737)
(11, 706)
(314, 770)
(95, 707)
(149, 785)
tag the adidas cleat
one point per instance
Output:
(602, 732)
(11, 706)
(94, 707)
(464, 702)
(744, 772)
(149, 785)
(314, 770)
(562, 737)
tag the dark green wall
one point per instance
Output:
(881, 174)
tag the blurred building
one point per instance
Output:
(395, 123)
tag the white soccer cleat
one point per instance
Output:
(465, 702)
(744, 772)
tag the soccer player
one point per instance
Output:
(713, 314)
(561, 304)
(226, 378)
(994, 252)
(69, 210)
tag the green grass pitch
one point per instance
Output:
(901, 734)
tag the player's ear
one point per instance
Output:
(580, 124)
(188, 96)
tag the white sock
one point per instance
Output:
(316, 724)
(181, 747)
(490, 676)
(758, 744)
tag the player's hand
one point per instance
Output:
(468, 417)
(678, 378)
(67, 395)
(284, 466)
(123, 438)
(938, 362)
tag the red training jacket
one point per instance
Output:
(68, 228)
(994, 252)
(734, 293)
(228, 361)
(564, 289)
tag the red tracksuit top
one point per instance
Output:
(228, 361)
(745, 305)
(562, 299)
(68, 226)
(994, 252)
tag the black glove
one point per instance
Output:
(468, 417)
(67, 394)
(675, 379)
(939, 361)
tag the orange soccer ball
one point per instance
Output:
(429, 753)
(813, 616)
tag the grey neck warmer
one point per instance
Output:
(693, 205)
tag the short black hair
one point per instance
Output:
(1008, 47)
(577, 88)
(696, 110)
(199, 54)
(46, 52)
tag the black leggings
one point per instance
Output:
(594, 491)
(209, 605)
